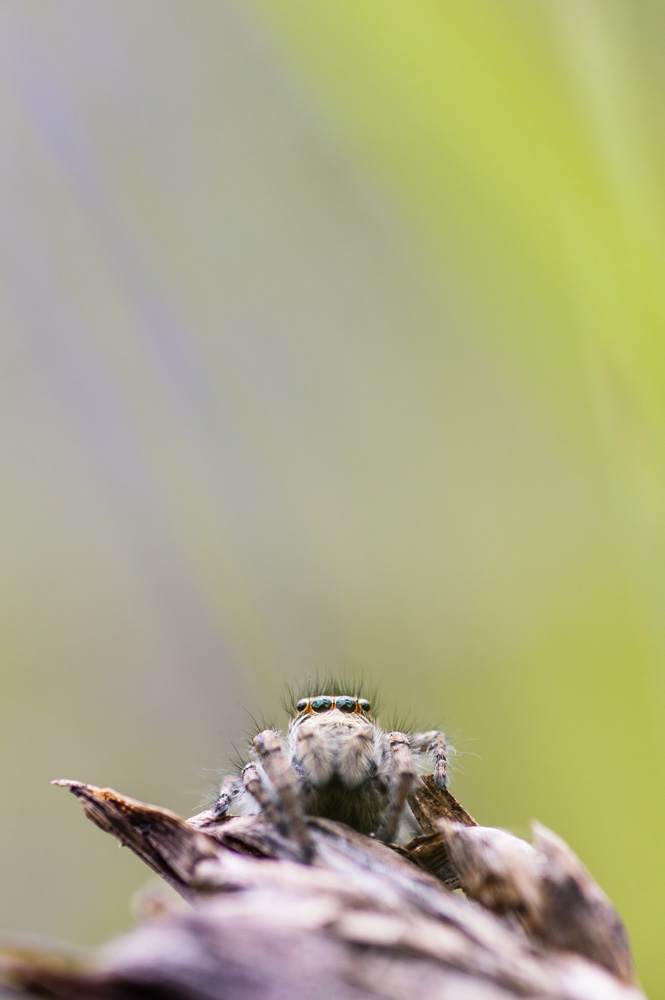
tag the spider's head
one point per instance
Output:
(323, 703)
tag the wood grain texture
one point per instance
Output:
(363, 921)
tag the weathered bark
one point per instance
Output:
(364, 921)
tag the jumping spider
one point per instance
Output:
(334, 761)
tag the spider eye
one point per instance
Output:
(321, 704)
(346, 703)
(364, 705)
(302, 704)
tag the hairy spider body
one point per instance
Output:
(342, 761)
(334, 762)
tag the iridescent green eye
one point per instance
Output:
(321, 704)
(364, 705)
(302, 704)
(345, 703)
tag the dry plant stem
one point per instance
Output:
(361, 922)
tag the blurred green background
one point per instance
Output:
(332, 337)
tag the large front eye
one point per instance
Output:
(364, 705)
(321, 704)
(346, 704)
(302, 704)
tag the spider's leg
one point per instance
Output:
(403, 777)
(435, 743)
(256, 785)
(228, 790)
(284, 807)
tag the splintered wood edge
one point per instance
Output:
(174, 847)
(149, 832)
(429, 804)
(163, 840)
(124, 803)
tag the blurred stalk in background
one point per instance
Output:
(332, 338)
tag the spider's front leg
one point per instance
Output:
(434, 742)
(278, 795)
(403, 778)
(228, 791)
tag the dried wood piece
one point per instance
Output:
(362, 922)
(165, 841)
(431, 853)
(429, 804)
(545, 886)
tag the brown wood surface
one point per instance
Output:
(363, 921)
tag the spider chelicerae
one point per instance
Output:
(334, 761)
